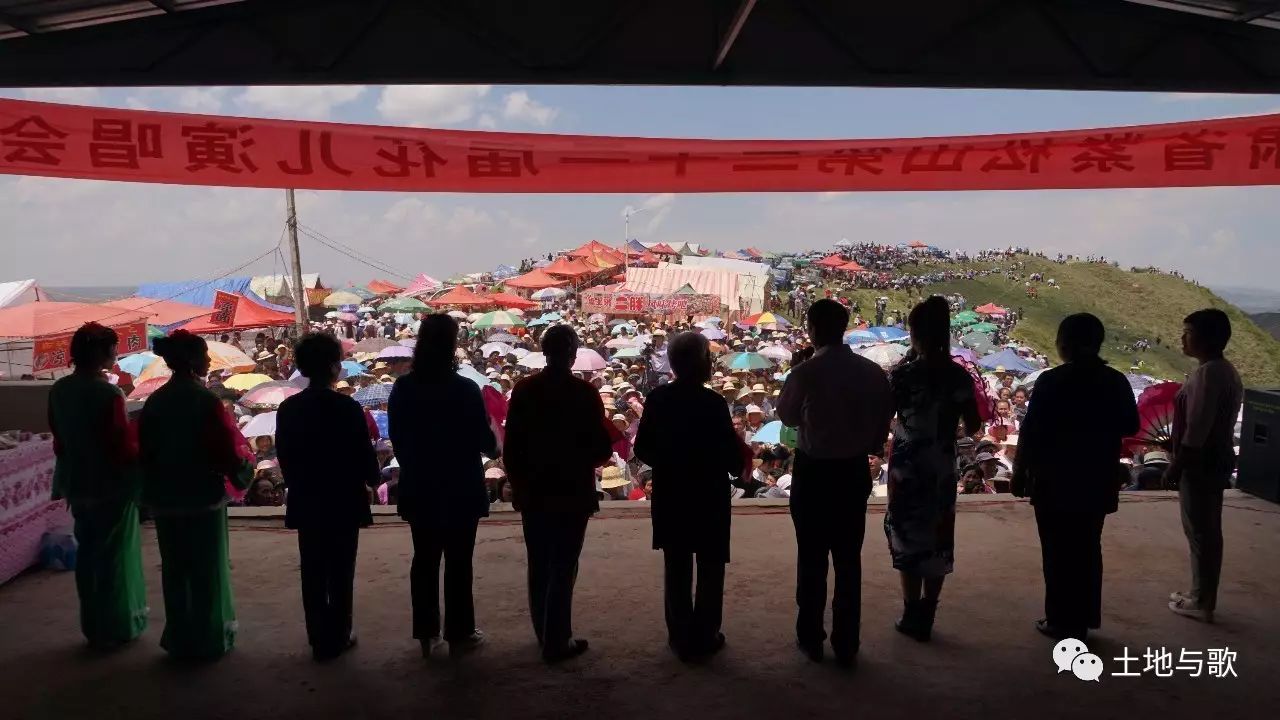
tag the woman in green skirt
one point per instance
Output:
(96, 473)
(191, 452)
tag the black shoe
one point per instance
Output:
(572, 649)
(917, 619)
(467, 644)
(717, 644)
(700, 650)
(910, 620)
(812, 650)
(847, 659)
(1057, 633)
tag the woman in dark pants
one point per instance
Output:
(327, 459)
(439, 430)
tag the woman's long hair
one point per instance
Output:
(930, 324)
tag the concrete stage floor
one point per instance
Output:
(986, 661)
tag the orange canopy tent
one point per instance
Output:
(990, 309)
(508, 300)
(461, 296)
(662, 249)
(160, 312)
(852, 266)
(646, 258)
(917, 245)
(536, 279)
(597, 248)
(831, 261)
(249, 316)
(383, 287)
(573, 268)
(603, 261)
(46, 319)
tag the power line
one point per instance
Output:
(351, 253)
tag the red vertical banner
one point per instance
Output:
(224, 309)
(133, 338)
(51, 353)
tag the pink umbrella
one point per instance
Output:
(269, 395)
(146, 387)
(395, 351)
(589, 360)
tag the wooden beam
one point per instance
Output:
(25, 24)
(730, 36)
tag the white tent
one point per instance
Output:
(272, 286)
(20, 292)
(725, 284)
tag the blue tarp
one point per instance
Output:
(1009, 360)
(634, 245)
(200, 292)
(503, 272)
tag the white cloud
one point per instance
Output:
(1201, 97)
(486, 121)
(518, 106)
(193, 100)
(425, 105)
(313, 102)
(69, 95)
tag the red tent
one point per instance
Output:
(570, 268)
(508, 300)
(990, 309)
(831, 261)
(536, 279)
(161, 312)
(462, 297)
(249, 316)
(45, 319)
(647, 258)
(382, 287)
(916, 244)
(602, 260)
(662, 249)
(852, 266)
(597, 248)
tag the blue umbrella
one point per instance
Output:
(537, 323)
(374, 395)
(1010, 361)
(380, 419)
(862, 337)
(713, 333)
(134, 364)
(473, 375)
(550, 317)
(747, 361)
(351, 367)
(624, 328)
(769, 434)
(889, 334)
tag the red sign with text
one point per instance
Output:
(69, 141)
(631, 303)
(224, 308)
(54, 351)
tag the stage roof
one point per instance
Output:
(1174, 45)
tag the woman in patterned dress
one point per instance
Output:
(931, 394)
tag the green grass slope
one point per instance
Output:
(1269, 321)
(1132, 305)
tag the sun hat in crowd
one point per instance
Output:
(612, 477)
(265, 355)
(494, 473)
(744, 393)
(965, 443)
(619, 416)
(984, 457)
(267, 465)
(659, 331)
(754, 409)
(758, 388)
(606, 390)
(1156, 457)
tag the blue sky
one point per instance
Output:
(66, 232)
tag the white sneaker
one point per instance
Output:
(1179, 596)
(1190, 608)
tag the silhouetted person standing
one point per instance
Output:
(1068, 463)
(553, 483)
(1204, 454)
(687, 437)
(327, 460)
(439, 430)
(841, 404)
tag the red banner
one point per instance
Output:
(224, 308)
(141, 146)
(632, 303)
(54, 351)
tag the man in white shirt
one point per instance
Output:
(841, 404)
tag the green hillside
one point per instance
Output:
(1268, 321)
(1132, 305)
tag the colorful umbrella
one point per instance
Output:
(588, 360)
(259, 425)
(342, 298)
(533, 361)
(965, 317)
(629, 352)
(776, 352)
(983, 327)
(495, 347)
(503, 338)
(889, 334)
(964, 354)
(978, 342)
(373, 344)
(713, 333)
(499, 319)
(746, 361)
(862, 337)
(134, 364)
(351, 367)
(548, 294)
(620, 343)
(245, 381)
(226, 357)
(374, 395)
(769, 434)
(1155, 416)
(457, 314)
(366, 309)
(144, 388)
(347, 317)
(403, 304)
(395, 351)
(473, 375)
(766, 320)
(269, 395)
(597, 318)
(886, 356)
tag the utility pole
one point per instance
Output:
(299, 293)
